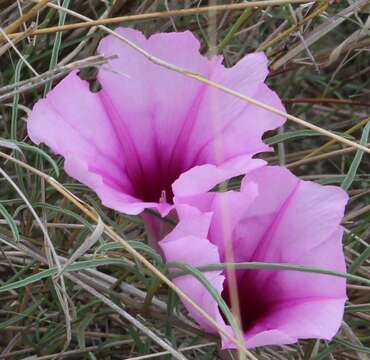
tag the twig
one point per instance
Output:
(127, 316)
(281, 35)
(49, 225)
(319, 32)
(11, 43)
(71, 352)
(234, 28)
(325, 101)
(47, 76)
(187, 348)
(17, 39)
(354, 214)
(167, 14)
(304, 161)
(28, 15)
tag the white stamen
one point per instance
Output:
(163, 198)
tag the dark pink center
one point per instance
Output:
(253, 302)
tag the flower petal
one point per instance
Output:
(297, 222)
(79, 132)
(266, 337)
(228, 208)
(109, 196)
(203, 178)
(290, 321)
(189, 119)
(304, 305)
(72, 121)
(288, 214)
(242, 134)
(149, 104)
(73, 130)
(194, 223)
(196, 251)
(148, 125)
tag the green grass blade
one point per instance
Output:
(187, 269)
(348, 180)
(10, 221)
(279, 266)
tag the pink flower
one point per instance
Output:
(150, 132)
(275, 218)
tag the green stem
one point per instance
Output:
(234, 28)
(271, 266)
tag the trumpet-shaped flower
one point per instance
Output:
(150, 131)
(275, 218)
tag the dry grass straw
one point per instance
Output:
(155, 15)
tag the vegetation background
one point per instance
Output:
(108, 305)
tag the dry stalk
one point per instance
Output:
(166, 14)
